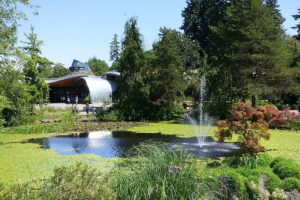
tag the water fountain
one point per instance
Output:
(202, 125)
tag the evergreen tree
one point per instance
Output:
(114, 49)
(35, 68)
(97, 66)
(199, 16)
(297, 27)
(251, 54)
(277, 16)
(169, 69)
(132, 93)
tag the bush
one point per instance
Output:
(249, 161)
(295, 125)
(170, 112)
(79, 182)
(68, 117)
(249, 123)
(158, 172)
(285, 168)
(286, 120)
(290, 184)
(112, 115)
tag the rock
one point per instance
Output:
(263, 192)
(293, 195)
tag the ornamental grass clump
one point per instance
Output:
(250, 123)
(157, 171)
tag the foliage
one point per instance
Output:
(286, 120)
(131, 82)
(15, 95)
(68, 117)
(75, 182)
(297, 27)
(278, 194)
(242, 60)
(286, 168)
(198, 18)
(114, 49)
(111, 114)
(58, 70)
(290, 184)
(251, 124)
(35, 68)
(158, 172)
(97, 66)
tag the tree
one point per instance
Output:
(132, 93)
(175, 66)
(297, 27)
(35, 68)
(252, 53)
(277, 16)
(168, 79)
(114, 49)
(14, 93)
(97, 66)
(59, 70)
(199, 16)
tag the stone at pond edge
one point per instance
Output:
(293, 195)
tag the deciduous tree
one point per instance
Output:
(97, 66)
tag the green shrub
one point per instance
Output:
(171, 112)
(237, 183)
(248, 160)
(290, 184)
(158, 172)
(68, 117)
(295, 125)
(285, 168)
(109, 115)
(79, 182)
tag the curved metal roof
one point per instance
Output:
(100, 89)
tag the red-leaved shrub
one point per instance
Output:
(251, 124)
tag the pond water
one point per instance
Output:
(117, 143)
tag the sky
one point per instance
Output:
(81, 29)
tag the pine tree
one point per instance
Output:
(277, 16)
(251, 51)
(297, 27)
(132, 93)
(199, 16)
(35, 68)
(114, 49)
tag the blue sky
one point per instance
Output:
(82, 29)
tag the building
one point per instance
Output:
(81, 83)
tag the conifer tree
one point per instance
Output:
(297, 27)
(251, 53)
(114, 49)
(132, 93)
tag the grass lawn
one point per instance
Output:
(24, 161)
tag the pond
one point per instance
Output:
(117, 143)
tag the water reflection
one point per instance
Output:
(116, 144)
